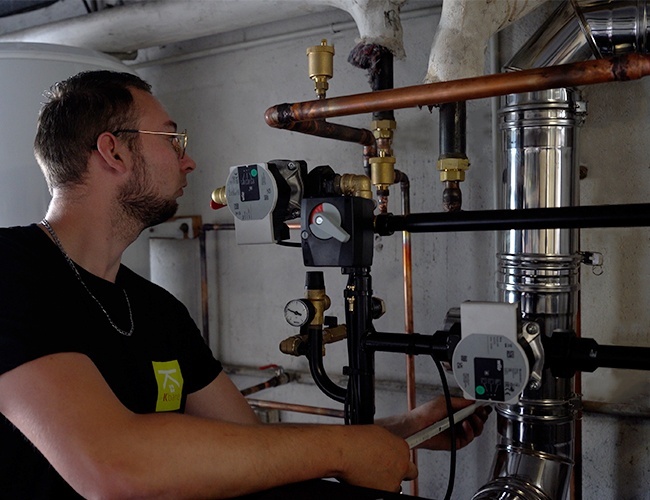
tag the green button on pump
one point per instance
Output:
(480, 390)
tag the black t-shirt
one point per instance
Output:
(45, 309)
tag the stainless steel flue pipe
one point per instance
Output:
(539, 269)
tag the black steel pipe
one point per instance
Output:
(567, 353)
(587, 355)
(452, 134)
(633, 215)
(322, 380)
(361, 369)
(440, 345)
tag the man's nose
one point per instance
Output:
(188, 163)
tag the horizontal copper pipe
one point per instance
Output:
(321, 128)
(298, 408)
(627, 67)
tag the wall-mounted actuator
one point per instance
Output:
(337, 211)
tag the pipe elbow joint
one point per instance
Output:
(355, 185)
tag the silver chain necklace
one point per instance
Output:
(72, 265)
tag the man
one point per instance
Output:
(106, 387)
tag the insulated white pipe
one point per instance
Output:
(159, 22)
(378, 21)
(463, 33)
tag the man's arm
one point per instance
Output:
(64, 407)
(221, 400)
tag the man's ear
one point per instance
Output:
(112, 151)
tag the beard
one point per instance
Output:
(142, 205)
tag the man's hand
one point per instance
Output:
(378, 459)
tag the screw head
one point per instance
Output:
(532, 328)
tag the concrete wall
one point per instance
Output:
(221, 99)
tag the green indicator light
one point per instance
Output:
(480, 390)
(254, 172)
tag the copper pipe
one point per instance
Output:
(407, 268)
(280, 379)
(368, 152)
(312, 410)
(627, 67)
(204, 275)
(577, 478)
(321, 128)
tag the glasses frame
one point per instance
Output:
(179, 145)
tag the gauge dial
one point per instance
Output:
(298, 312)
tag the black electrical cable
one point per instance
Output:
(452, 430)
(288, 244)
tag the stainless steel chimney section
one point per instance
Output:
(581, 29)
(540, 270)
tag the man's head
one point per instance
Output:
(78, 110)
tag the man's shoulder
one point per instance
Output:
(21, 240)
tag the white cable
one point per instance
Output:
(441, 426)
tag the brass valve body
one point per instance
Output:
(293, 345)
(382, 172)
(355, 185)
(321, 66)
(321, 303)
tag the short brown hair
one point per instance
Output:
(78, 110)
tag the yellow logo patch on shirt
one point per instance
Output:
(170, 385)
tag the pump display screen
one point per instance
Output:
(488, 379)
(249, 187)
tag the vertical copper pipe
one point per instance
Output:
(204, 275)
(407, 267)
(576, 482)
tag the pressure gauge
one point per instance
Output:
(298, 312)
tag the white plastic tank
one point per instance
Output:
(26, 71)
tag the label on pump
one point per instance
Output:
(488, 363)
(252, 194)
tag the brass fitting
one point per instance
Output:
(355, 185)
(219, 196)
(291, 346)
(383, 129)
(382, 172)
(321, 303)
(321, 66)
(452, 169)
(294, 345)
(219, 199)
(382, 167)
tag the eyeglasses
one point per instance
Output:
(179, 139)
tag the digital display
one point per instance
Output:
(249, 187)
(488, 379)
